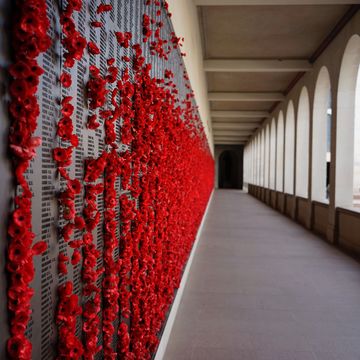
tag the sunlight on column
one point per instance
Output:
(272, 154)
(302, 144)
(321, 137)
(280, 152)
(289, 148)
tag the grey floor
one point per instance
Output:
(262, 287)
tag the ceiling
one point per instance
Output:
(254, 54)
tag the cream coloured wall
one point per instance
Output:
(186, 24)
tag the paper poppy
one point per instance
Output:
(65, 79)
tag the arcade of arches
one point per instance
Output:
(313, 171)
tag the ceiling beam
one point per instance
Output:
(225, 65)
(238, 138)
(272, 2)
(230, 143)
(240, 114)
(233, 134)
(245, 96)
(234, 126)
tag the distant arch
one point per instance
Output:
(253, 146)
(289, 148)
(280, 152)
(302, 144)
(321, 137)
(267, 156)
(272, 171)
(262, 158)
(258, 150)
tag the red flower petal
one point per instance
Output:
(103, 8)
(39, 248)
(65, 80)
(93, 49)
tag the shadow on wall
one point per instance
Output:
(229, 167)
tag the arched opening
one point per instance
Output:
(262, 158)
(302, 144)
(228, 170)
(267, 156)
(321, 138)
(280, 152)
(257, 161)
(356, 187)
(272, 155)
(347, 192)
(289, 148)
(253, 154)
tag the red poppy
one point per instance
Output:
(65, 80)
(92, 123)
(17, 253)
(65, 128)
(39, 248)
(19, 347)
(123, 38)
(74, 186)
(79, 223)
(94, 71)
(103, 8)
(20, 88)
(93, 49)
(20, 69)
(67, 231)
(96, 24)
(74, 140)
(63, 155)
(76, 257)
(62, 268)
(67, 109)
(75, 4)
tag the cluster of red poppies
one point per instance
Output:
(166, 176)
(159, 46)
(123, 38)
(110, 283)
(96, 87)
(154, 262)
(171, 188)
(68, 308)
(72, 41)
(30, 39)
(90, 274)
(112, 170)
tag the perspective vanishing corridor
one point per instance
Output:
(262, 287)
(180, 179)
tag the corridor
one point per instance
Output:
(262, 287)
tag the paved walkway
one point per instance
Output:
(262, 287)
